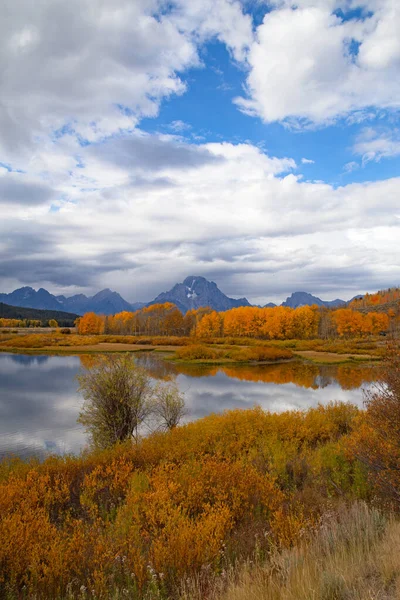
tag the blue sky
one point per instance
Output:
(254, 143)
(207, 113)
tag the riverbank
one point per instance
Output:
(181, 509)
(188, 350)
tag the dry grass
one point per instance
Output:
(253, 354)
(332, 357)
(355, 555)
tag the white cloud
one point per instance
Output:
(307, 161)
(154, 209)
(179, 125)
(374, 144)
(304, 69)
(351, 166)
(99, 67)
(138, 212)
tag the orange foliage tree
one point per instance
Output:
(210, 325)
(90, 324)
(279, 323)
(351, 323)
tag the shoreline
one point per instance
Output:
(306, 356)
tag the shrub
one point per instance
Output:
(169, 405)
(65, 330)
(140, 517)
(261, 354)
(196, 352)
(377, 442)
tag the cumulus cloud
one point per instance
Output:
(99, 67)
(229, 212)
(311, 63)
(100, 203)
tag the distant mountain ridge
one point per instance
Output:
(305, 299)
(105, 302)
(194, 292)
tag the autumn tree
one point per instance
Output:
(53, 323)
(349, 323)
(118, 398)
(375, 322)
(305, 322)
(210, 325)
(90, 324)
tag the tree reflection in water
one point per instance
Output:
(302, 374)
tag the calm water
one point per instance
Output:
(39, 401)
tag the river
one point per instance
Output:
(40, 402)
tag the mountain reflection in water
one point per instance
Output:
(39, 400)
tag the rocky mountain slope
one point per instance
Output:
(195, 292)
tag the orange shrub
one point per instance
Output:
(140, 517)
(377, 440)
(196, 352)
(261, 354)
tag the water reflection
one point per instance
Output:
(300, 373)
(39, 405)
(39, 402)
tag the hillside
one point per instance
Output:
(382, 301)
(392, 307)
(64, 319)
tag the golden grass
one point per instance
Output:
(232, 354)
(332, 357)
(354, 554)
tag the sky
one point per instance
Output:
(253, 142)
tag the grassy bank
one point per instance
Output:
(218, 492)
(207, 351)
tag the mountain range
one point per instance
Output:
(192, 293)
(105, 302)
